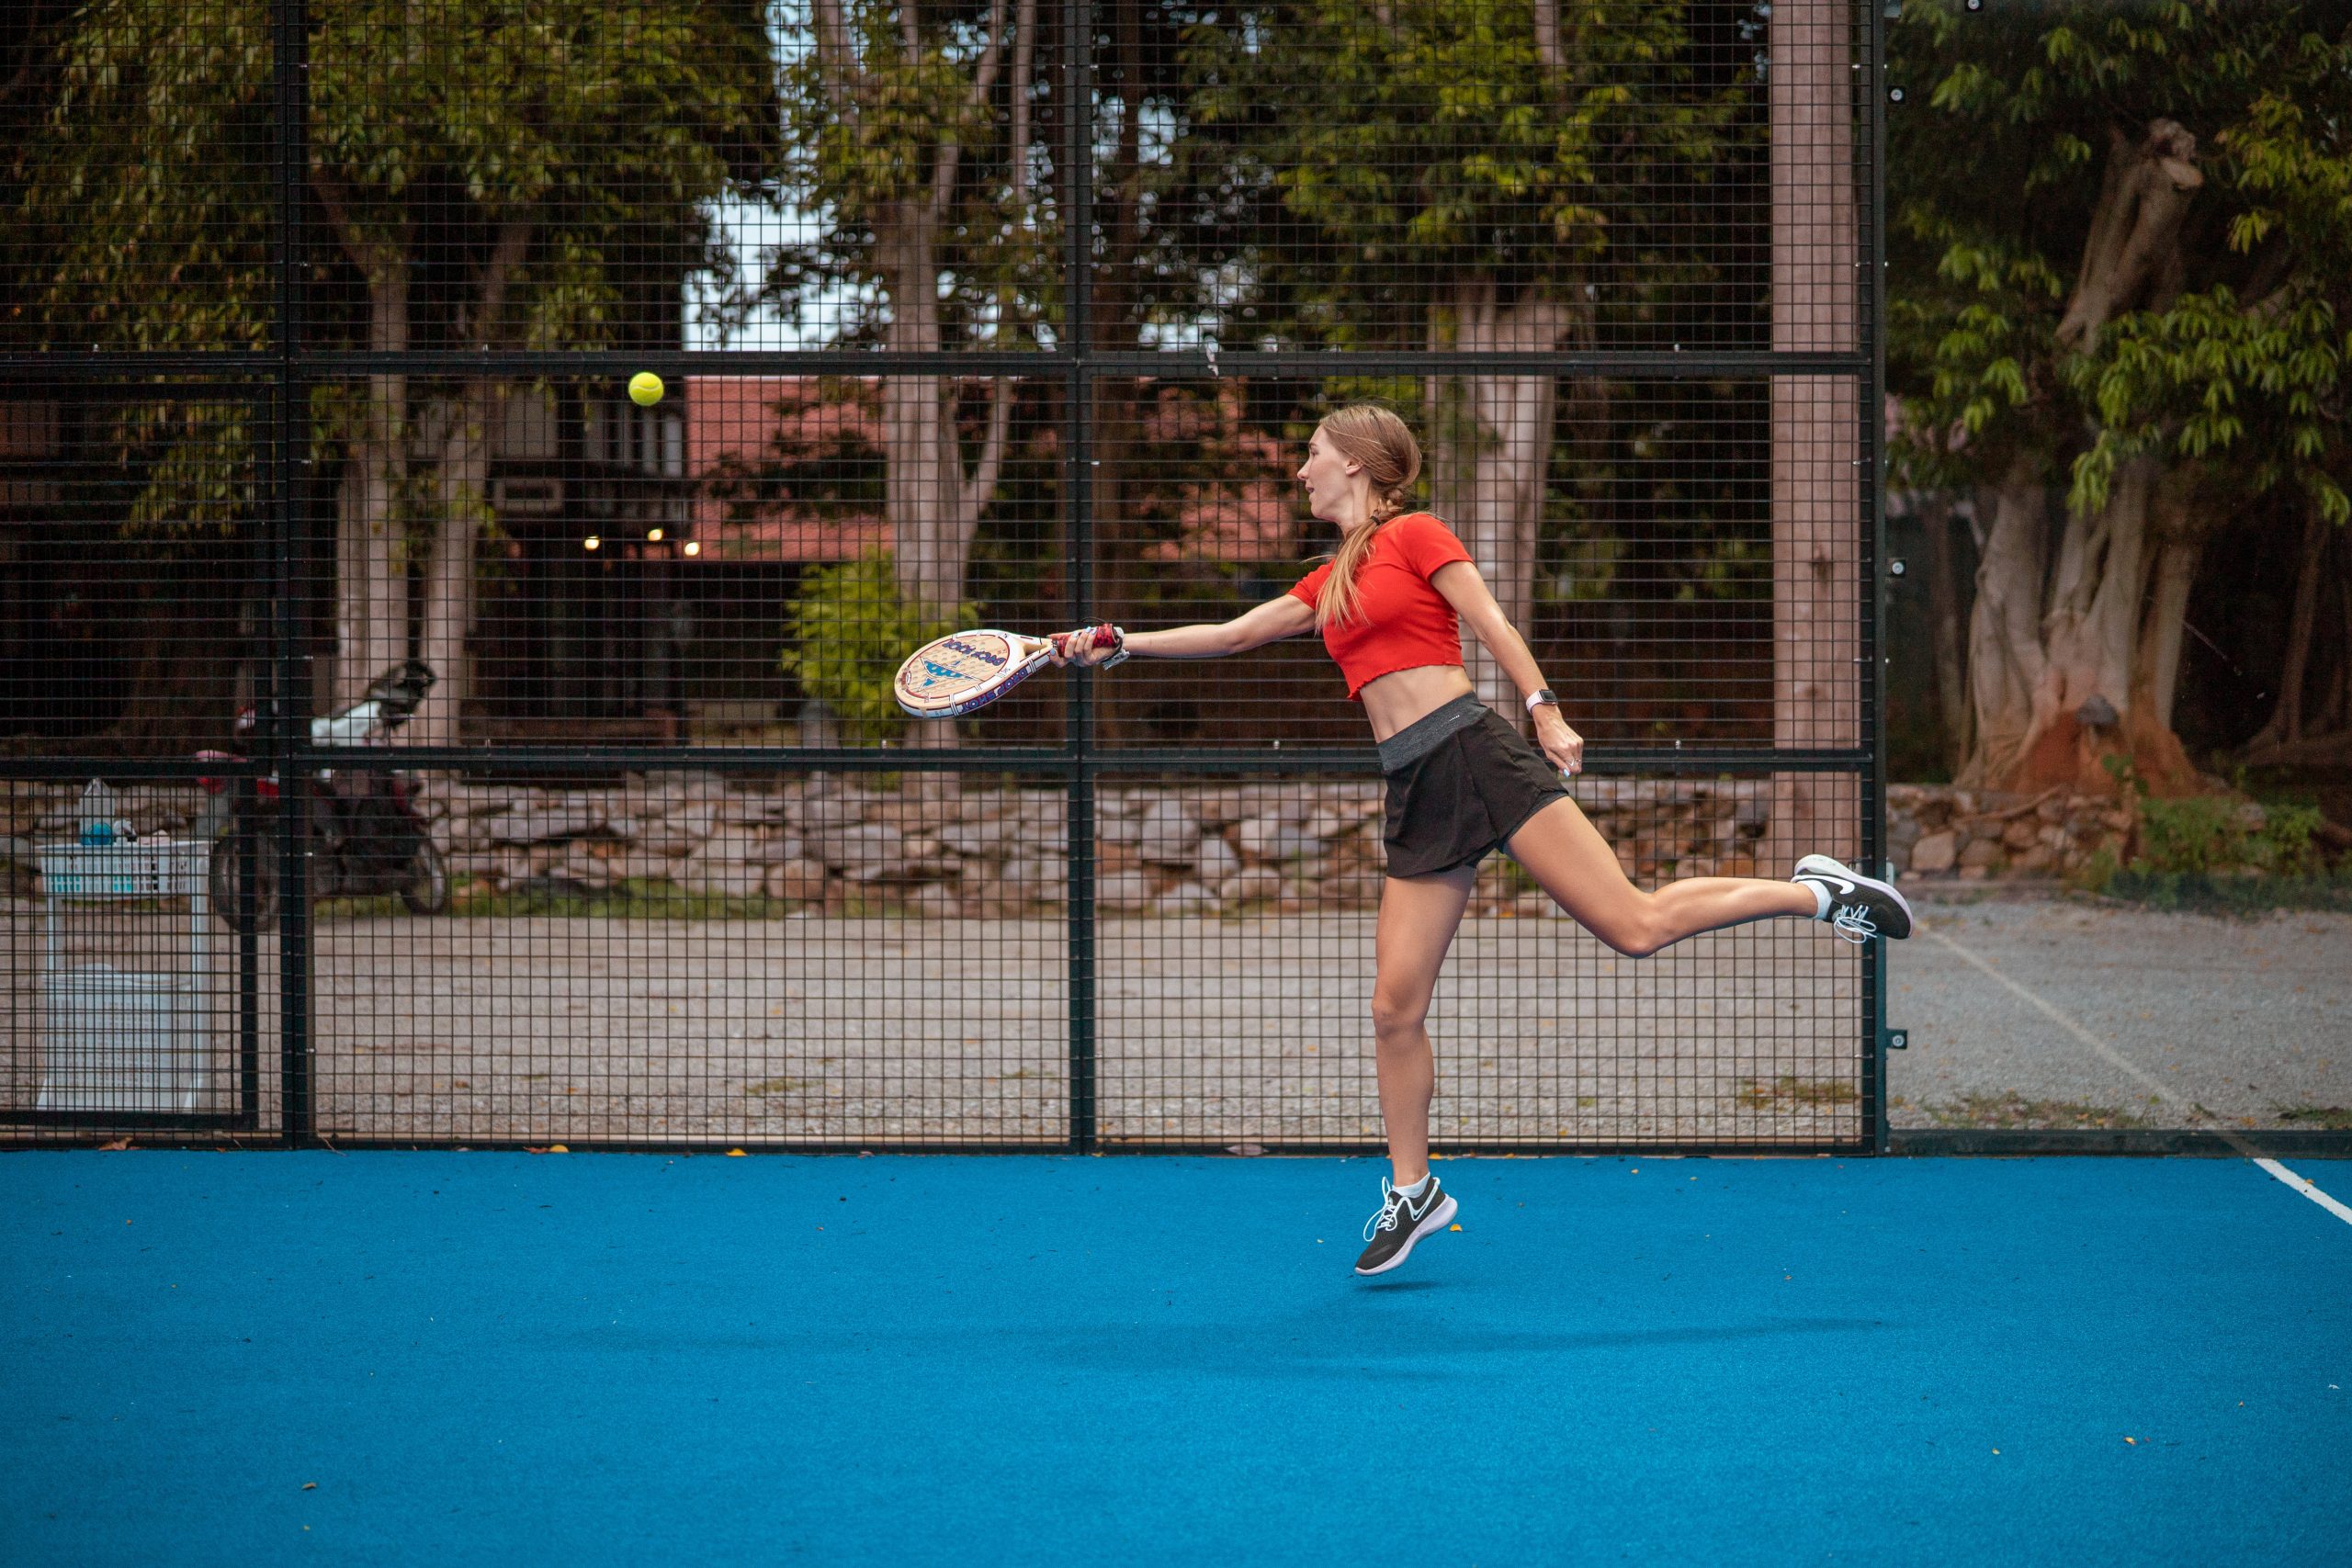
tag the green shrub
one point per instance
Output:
(2099, 872)
(2289, 842)
(2195, 836)
(850, 630)
(2203, 834)
(2190, 847)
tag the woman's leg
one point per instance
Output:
(1570, 861)
(1419, 915)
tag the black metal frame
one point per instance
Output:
(283, 375)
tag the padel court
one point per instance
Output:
(382, 1357)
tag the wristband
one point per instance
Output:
(1541, 699)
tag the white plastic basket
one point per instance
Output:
(152, 868)
(117, 1038)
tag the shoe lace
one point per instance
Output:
(1392, 1204)
(1853, 922)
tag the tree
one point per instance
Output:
(911, 128)
(2129, 294)
(501, 175)
(1462, 171)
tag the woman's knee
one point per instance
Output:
(1636, 932)
(1396, 1016)
(1641, 943)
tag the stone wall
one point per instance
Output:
(930, 845)
(922, 844)
(932, 848)
(1939, 833)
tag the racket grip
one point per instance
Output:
(1101, 635)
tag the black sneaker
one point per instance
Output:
(1859, 907)
(1401, 1222)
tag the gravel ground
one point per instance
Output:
(1253, 1030)
(2177, 1021)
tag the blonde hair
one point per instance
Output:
(1373, 438)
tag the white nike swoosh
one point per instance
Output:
(1843, 886)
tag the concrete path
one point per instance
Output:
(2033, 1012)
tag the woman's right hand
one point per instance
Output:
(1087, 645)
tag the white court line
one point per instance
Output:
(2110, 1053)
(2302, 1184)
(2101, 1048)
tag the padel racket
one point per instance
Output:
(965, 671)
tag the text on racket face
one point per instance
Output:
(935, 672)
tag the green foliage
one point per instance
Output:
(1425, 141)
(2216, 855)
(871, 131)
(574, 133)
(2200, 834)
(2242, 371)
(846, 635)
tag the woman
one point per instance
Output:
(1460, 779)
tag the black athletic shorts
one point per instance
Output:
(1460, 782)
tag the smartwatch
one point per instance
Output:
(1541, 699)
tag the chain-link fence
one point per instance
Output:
(413, 734)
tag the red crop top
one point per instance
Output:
(1402, 622)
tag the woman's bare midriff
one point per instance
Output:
(1398, 698)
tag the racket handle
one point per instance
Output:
(1103, 634)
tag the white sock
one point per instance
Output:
(1820, 898)
(1416, 1189)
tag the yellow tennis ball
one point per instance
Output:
(645, 389)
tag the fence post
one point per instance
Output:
(1077, 483)
(286, 736)
(1873, 667)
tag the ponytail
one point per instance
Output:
(1378, 441)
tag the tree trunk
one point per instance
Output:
(457, 433)
(1944, 629)
(2156, 678)
(2286, 725)
(2134, 244)
(2323, 733)
(1489, 454)
(461, 481)
(932, 503)
(2090, 673)
(2005, 655)
(923, 469)
(371, 557)
(2337, 705)
(1816, 424)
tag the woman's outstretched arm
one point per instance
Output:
(1269, 622)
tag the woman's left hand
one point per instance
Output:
(1563, 745)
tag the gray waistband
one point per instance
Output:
(1419, 738)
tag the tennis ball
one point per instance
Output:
(645, 389)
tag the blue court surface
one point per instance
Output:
(382, 1357)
